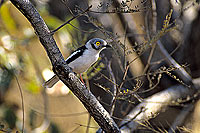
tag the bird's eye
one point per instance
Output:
(98, 43)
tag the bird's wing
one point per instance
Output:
(77, 53)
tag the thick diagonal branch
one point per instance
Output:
(62, 70)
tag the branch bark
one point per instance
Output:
(62, 70)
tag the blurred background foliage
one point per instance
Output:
(132, 25)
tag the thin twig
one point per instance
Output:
(88, 124)
(89, 116)
(154, 25)
(114, 88)
(125, 46)
(74, 17)
(108, 91)
(85, 125)
(163, 59)
(181, 71)
(62, 115)
(124, 77)
(152, 87)
(152, 107)
(128, 121)
(81, 29)
(117, 90)
(150, 57)
(63, 1)
(110, 80)
(73, 131)
(22, 102)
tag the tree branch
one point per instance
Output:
(181, 71)
(151, 106)
(62, 70)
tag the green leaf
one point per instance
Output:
(7, 18)
(33, 87)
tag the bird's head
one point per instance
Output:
(97, 44)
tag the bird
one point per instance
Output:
(82, 58)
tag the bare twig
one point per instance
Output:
(110, 80)
(89, 116)
(154, 25)
(74, 17)
(153, 105)
(63, 1)
(88, 124)
(118, 91)
(114, 88)
(126, 122)
(81, 29)
(85, 125)
(163, 59)
(22, 100)
(125, 37)
(154, 86)
(181, 71)
(150, 57)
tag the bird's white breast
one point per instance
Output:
(82, 63)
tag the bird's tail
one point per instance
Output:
(51, 82)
